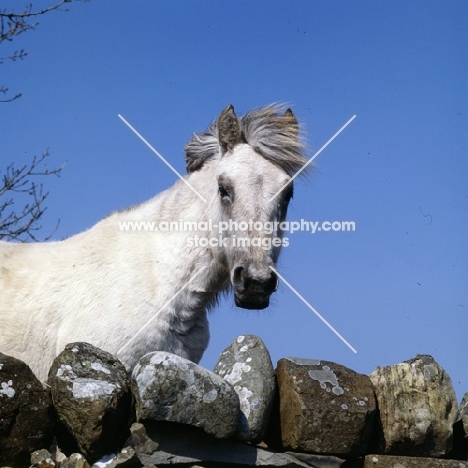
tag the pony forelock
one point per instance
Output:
(270, 131)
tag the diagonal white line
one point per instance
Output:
(160, 156)
(315, 312)
(156, 314)
(314, 156)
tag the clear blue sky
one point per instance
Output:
(395, 287)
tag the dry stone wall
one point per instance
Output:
(170, 411)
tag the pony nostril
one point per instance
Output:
(244, 278)
(272, 283)
(237, 276)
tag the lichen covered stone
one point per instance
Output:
(170, 388)
(325, 408)
(417, 407)
(91, 394)
(246, 364)
(27, 418)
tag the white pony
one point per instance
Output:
(135, 282)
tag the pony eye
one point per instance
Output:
(223, 192)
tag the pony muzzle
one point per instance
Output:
(253, 286)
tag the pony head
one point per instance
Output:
(251, 162)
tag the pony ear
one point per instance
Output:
(290, 120)
(229, 129)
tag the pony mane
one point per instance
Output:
(271, 131)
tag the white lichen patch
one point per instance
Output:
(256, 404)
(210, 396)
(91, 388)
(65, 371)
(244, 395)
(7, 389)
(171, 361)
(189, 377)
(240, 339)
(157, 358)
(325, 376)
(99, 367)
(236, 373)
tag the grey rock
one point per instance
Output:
(126, 458)
(168, 443)
(170, 388)
(75, 460)
(325, 408)
(388, 461)
(56, 453)
(91, 394)
(27, 418)
(417, 407)
(42, 459)
(246, 364)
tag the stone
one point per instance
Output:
(91, 394)
(27, 418)
(56, 453)
(246, 364)
(42, 459)
(388, 461)
(170, 388)
(325, 408)
(126, 458)
(168, 443)
(417, 408)
(75, 460)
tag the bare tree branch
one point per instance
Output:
(22, 225)
(4, 90)
(12, 24)
(18, 186)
